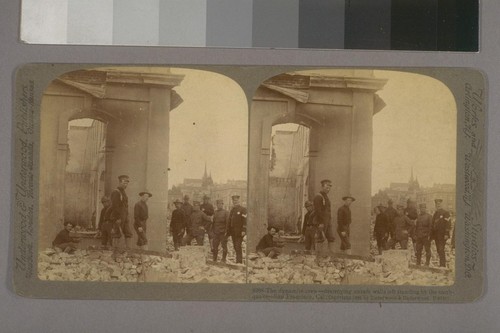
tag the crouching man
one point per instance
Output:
(63, 241)
(267, 246)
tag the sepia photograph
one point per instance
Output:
(352, 179)
(143, 176)
(261, 183)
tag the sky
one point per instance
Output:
(416, 128)
(211, 125)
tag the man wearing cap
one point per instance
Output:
(403, 227)
(391, 213)
(381, 228)
(197, 224)
(412, 213)
(323, 212)
(207, 208)
(219, 229)
(178, 224)
(422, 236)
(310, 227)
(237, 227)
(105, 226)
(186, 206)
(140, 217)
(441, 226)
(344, 223)
(119, 209)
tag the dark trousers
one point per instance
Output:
(237, 240)
(309, 236)
(440, 243)
(107, 233)
(189, 238)
(141, 235)
(402, 242)
(219, 239)
(122, 226)
(421, 243)
(177, 238)
(345, 244)
(381, 242)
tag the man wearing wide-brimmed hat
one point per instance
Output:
(344, 223)
(441, 225)
(141, 215)
(178, 224)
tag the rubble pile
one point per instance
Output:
(391, 268)
(187, 265)
(300, 269)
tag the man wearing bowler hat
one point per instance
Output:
(118, 213)
(237, 227)
(323, 212)
(344, 223)
(441, 226)
(140, 217)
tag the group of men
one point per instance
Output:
(317, 225)
(113, 220)
(393, 226)
(192, 221)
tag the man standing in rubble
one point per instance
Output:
(219, 230)
(344, 224)
(178, 224)
(119, 209)
(105, 226)
(197, 225)
(237, 227)
(391, 213)
(412, 213)
(422, 236)
(141, 215)
(323, 212)
(310, 227)
(403, 227)
(207, 208)
(441, 226)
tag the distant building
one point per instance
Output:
(196, 188)
(401, 192)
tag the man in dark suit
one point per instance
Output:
(309, 228)
(178, 224)
(344, 224)
(323, 212)
(381, 229)
(119, 209)
(237, 227)
(441, 226)
(391, 213)
(207, 208)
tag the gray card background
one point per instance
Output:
(18, 314)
